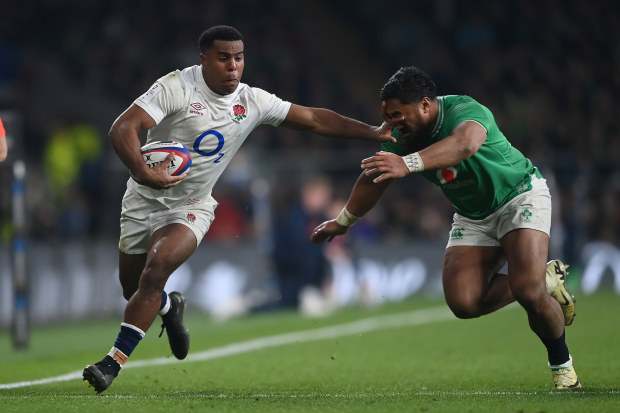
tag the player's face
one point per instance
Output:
(413, 120)
(222, 66)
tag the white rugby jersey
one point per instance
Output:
(211, 126)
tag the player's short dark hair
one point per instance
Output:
(409, 85)
(220, 32)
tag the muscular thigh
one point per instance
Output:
(168, 248)
(467, 271)
(527, 253)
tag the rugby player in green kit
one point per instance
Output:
(502, 209)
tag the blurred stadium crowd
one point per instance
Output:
(548, 69)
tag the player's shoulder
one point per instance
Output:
(452, 100)
(459, 104)
(256, 94)
(171, 77)
(251, 90)
(179, 78)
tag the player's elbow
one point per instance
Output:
(468, 151)
(468, 146)
(119, 129)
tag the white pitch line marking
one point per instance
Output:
(411, 318)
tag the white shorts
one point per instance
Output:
(531, 209)
(141, 217)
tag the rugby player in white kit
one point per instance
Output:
(163, 217)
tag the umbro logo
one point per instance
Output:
(196, 108)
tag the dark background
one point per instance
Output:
(547, 69)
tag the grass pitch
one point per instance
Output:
(412, 356)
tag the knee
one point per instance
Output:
(530, 297)
(464, 302)
(153, 278)
(464, 309)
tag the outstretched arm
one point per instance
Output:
(363, 198)
(329, 123)
(464, 142)
(124, 136)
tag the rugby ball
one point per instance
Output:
(155, 153)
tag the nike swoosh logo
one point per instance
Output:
(567, 301)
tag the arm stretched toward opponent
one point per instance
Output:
(363, 198)
(465, 140)
(125, 141)
(383, 167)
(329, 123)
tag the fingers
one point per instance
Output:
(384, 114)
(379, 174)
(159, 178)
(379, 166)
(162, 178)
(175, 180)
(317, 237)
(328, 230)
(381, 178)
(373, 161)
(385, 132)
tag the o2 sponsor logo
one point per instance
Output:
(205, 140)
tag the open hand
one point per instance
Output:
(384, 165)
(384, 133)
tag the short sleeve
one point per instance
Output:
(166, 96)
(472, 111)
(273, 109)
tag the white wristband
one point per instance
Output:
(346, 219)
(414, 162)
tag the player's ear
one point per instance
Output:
(425, 104)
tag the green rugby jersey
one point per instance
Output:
(482, 183)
